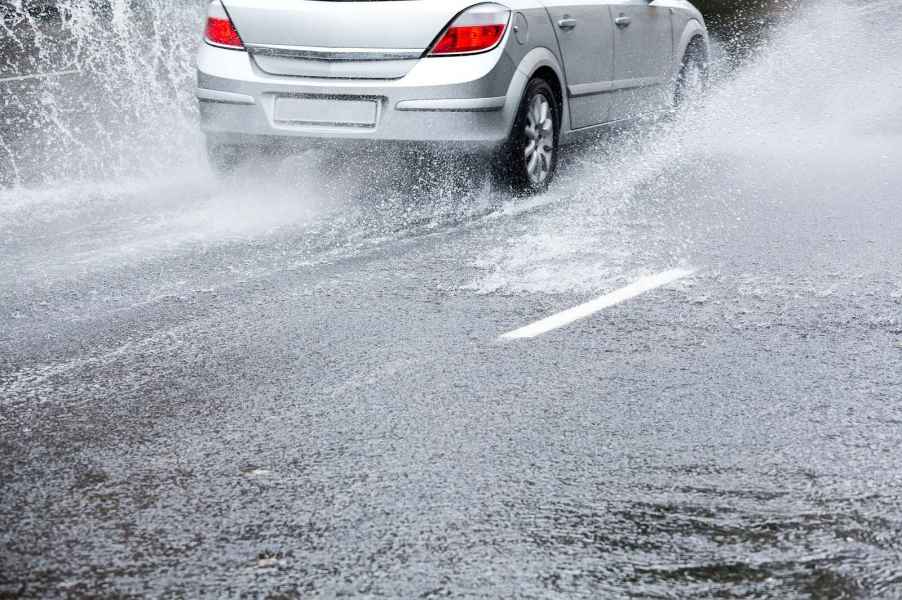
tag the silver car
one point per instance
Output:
(515, 79)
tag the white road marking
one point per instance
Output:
(39, 75)
(583, 311)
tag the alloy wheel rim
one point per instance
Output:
(539, 129)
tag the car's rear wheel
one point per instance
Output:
(528, 161)
(692, 82)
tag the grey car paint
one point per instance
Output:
(606, 70)
(585, 35)
(643, 55)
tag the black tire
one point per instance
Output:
(692, 81)
(511, 166)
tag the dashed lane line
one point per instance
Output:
(583, 311)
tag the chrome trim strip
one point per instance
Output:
(453, 105)
(205, 95)
(335, 54)
(327, 125)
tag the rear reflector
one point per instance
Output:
(466, 40)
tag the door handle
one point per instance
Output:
(567, 23)
(623, 21)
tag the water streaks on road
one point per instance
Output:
(292, 381)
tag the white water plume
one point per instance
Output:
(94, 91)
(816, 107)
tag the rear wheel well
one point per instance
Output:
(550, 77)
(696, 48)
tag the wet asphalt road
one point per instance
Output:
(291, 384)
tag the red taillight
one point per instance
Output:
(477, 29)
(465, 40)
(223, 33)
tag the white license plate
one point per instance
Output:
(327, 112)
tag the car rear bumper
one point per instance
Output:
(469, 100)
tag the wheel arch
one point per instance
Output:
(543, 63)
(549, 75)
(693, 33)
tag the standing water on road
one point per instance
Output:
(290, 383)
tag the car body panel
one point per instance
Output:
(388, 24)
(643, 52)
(468, 100)
(587, 50)
(400, 27)
(445, 80)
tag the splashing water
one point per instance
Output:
(111, 225)
(120, 138)
(95, 92)
(815, 107)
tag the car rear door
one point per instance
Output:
(585, 34)
(643, 57)
(341, 38)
